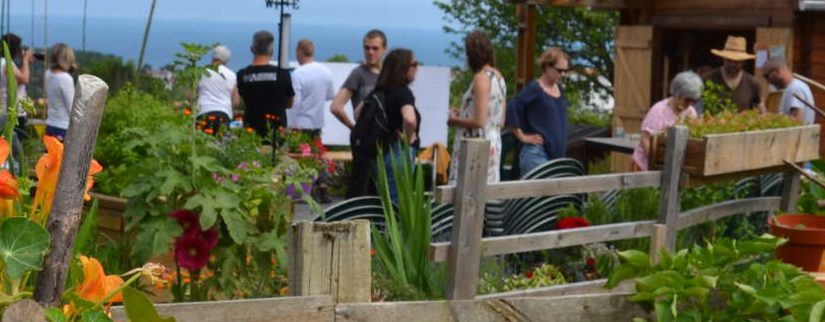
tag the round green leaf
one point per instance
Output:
(22, 246)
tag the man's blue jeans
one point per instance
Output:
(531, 157)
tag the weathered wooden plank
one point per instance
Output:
(580, 288)
(596, 307)
(552, 239)
(677, 137)
(658, 240)
(790, 192)
(287, 309)
(464, 257)
(724, 152)
(558, 186)
(331, 259)
(726, 208)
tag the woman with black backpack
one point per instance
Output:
(384, 118)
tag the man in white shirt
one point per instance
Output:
(217, 93)
(313, 86)
(779, 74)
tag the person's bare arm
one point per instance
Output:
(337, 107)
(236, 97)
(536, 139)
(410, 122)
(762, 108)
(481, 97)
(23, 74)
(644, 140)
(797, 114)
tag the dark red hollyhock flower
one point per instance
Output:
(572, 222)
(590, 262)
(211, 237)
(529, 275)
(187, 219)
(192, 251)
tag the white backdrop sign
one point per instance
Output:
(432, 98)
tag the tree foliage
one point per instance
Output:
(587, 35)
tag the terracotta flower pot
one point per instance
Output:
(806, 240)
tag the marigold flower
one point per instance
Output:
(250, 130)
(187, 111)
(208, 131)
(211, 117)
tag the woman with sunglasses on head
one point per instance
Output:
(538, 114)
(685, 91)
(482, 111)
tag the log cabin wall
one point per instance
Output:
(809, 56)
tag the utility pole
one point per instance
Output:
(280, 5)
(145, 40)
(85, 6)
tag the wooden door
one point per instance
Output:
(767, 38)
(631, 84)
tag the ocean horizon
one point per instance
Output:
(122, 37)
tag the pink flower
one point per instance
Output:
(192, 251)
(187, 219)
(306, 150)
(236, 177)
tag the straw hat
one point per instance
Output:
(735, 49)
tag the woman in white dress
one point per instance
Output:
(483, 106)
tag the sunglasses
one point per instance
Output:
(372, 48)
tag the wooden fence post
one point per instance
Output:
(658, 240)
(64, 219)
(790, 191)
(464, 256)
(331, 259)
(677, 137)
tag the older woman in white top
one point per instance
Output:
(60, 90)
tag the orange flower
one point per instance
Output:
(96, 285)
(8, 185)
(48, 170)
(208, 131)
(250, 130)
(211, 117)
(187, 111)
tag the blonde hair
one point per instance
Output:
(62, 57)
(550, 57)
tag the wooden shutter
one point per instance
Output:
(632, 83)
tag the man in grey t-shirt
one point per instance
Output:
(779, 74)
(362, 79)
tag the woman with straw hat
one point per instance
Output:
(745, 91)
(60, 90)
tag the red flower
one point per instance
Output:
(529, 275)
(187, 219)
(192, 251)
(572, 222)
(211, 237)
(590, 262)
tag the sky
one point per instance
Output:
(419, 14)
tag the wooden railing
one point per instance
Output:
(471, 193)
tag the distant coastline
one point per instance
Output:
(121, 37)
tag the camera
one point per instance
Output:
(37, 55)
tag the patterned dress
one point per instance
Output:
(491, 131)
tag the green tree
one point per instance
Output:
(338, 58)
(587, 35)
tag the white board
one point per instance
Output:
(432, 98)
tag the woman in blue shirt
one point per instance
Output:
(538, 114)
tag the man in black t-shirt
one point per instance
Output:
(266, 90)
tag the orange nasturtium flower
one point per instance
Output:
(48, 170)
(96, 285)
(8, 185)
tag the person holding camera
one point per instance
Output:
(60, 90)
(21, 73)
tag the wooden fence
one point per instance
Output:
(330, 271)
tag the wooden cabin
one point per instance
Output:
(657, 39)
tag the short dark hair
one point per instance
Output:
(262, 43)
(479, 50)
(394, 70)
(306, 47)
(13, 42)
(375, 33)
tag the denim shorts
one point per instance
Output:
(531, 157)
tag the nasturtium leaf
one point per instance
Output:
(22, 246)
(139, 308)
(94, 316)
(817, 312)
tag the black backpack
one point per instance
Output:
(372, 126)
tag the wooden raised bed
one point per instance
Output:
(743, 152)
(110, 211)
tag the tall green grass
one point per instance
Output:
(403, 247)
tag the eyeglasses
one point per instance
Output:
(371, 48)
(560, 70)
